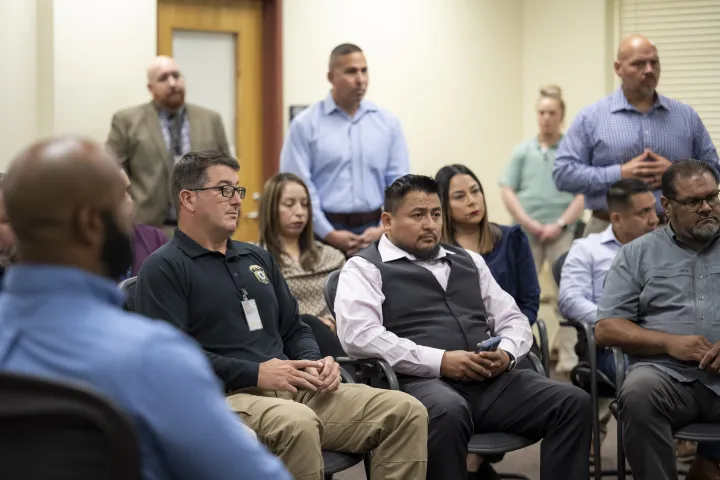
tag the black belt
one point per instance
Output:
(354, 219)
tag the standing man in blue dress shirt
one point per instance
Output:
(347, 151)
(61, 318)
(633, 133)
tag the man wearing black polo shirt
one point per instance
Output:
(231, 297)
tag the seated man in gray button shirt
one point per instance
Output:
(660, 305)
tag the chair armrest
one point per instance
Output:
(537, 364)
(345, 376)
(544, 345)
(619, 367)
(372, 368)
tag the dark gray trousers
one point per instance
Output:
(520, 402)
(651, 405)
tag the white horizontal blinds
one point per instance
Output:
(687, 34)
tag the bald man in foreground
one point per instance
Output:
(61, 318)
(150, 138)
(633, 133)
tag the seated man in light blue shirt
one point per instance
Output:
(634, 132)
(632, 214)
(61, 318)
(631, 204)
(347, 151)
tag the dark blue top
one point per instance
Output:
(511, 264)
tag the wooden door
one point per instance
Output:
(244, 19)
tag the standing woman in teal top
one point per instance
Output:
(544, 213)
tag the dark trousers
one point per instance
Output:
(326, 339)
(520, 402)
(651, 405)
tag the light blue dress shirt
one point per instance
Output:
(583, 275)
(610, 132)
(346, 162)
(67, 325)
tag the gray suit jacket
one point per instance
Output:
(135, 137)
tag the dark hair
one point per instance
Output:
(270, 227)
(191, 171)
(342, 50)
(686, 168)
(395, 193)
(489, 233)
(620, 193)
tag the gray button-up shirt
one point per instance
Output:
(664, 285)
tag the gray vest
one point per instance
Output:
(417, 308)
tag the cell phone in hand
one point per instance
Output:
(489, 345)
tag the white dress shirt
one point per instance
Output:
(358, 310)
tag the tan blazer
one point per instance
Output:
(135, 137)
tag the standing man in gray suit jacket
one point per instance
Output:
(149, 139)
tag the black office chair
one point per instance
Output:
(693, 432)
(586, 375)
(55, 431)
(379, 373)
(330, 289)
(335, 462)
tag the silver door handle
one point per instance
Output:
(251, 215)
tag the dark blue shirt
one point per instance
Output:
(66, 324)
(511, 264)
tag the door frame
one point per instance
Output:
(272, 101)
(272, 79)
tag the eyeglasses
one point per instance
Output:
(226, 191)
(695, 204)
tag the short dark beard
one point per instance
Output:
(423, 255)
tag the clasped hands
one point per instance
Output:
(648, 167)
(469, 366)
(289, 375)
(351, 243)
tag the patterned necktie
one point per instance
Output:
(176, 121)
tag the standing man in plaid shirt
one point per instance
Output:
(634, 132)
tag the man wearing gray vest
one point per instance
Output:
(424, 307)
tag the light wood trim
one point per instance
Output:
(244, 18)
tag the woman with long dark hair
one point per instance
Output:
(286, 231)
(505, 249)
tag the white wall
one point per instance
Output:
(67, 65)
(450, 70)
(101, 52)
(567, 42)
(18, 74)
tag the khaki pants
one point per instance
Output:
(549, 251)
(566, 337)
(355, 419)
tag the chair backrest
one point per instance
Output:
(128, 286)
(50, 430)
(330, 290)
(557, 266)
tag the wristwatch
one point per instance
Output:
(561, 223)
(513, 362)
